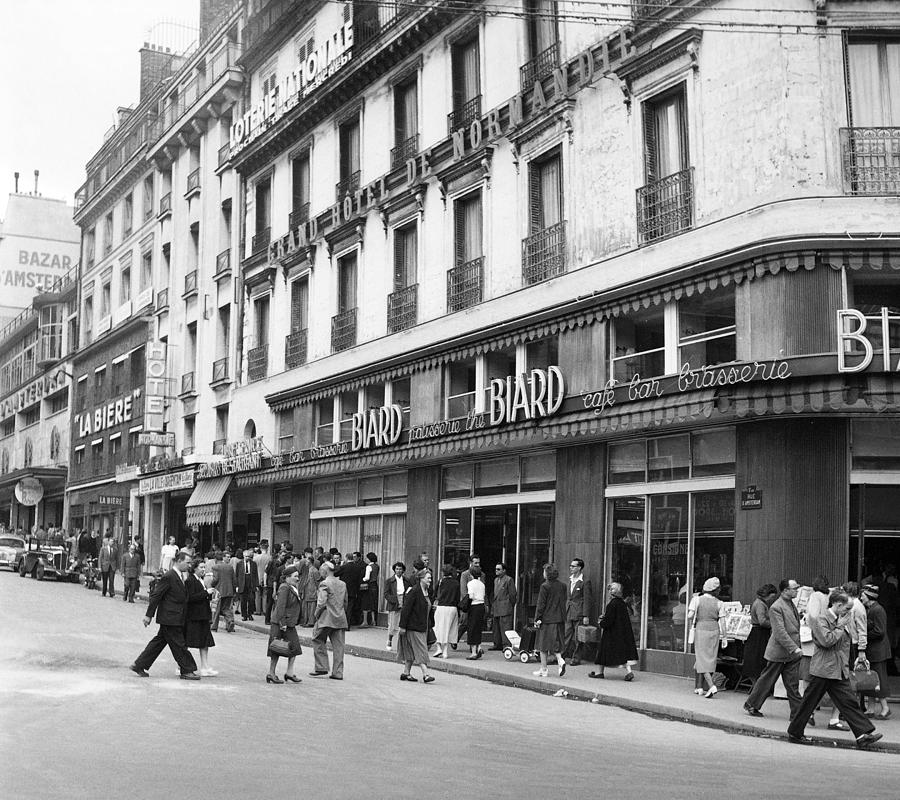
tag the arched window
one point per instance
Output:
(250, 429)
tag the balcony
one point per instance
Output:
(165, 205)
(666, 207)
(403, 308)
(224, 155)
(193, 183)
(223, 264)
(347, 185)
(539, 67)
(371, 20)
(644, 9)
(187, 385)
(190, 284)
(220, 372)
(343, 330)
(295, 349)
(260, 241)
(404, 151)
(465, 285)
(465, 114)
(258, 363)
(544, 254)
(162, 299)
(871, 160)
(298, 216)
(219, 446)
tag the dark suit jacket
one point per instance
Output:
(131, 565)
(168, 600)
(504, 597)
(414, 615)
(551, 604)
(391, 601)
(287, 607)
(109, 560)
(580, 602)
(242, 576)
(198, 609)
(785, 638)
(351, 573)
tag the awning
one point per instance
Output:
(205, 504)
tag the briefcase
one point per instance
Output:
(864, 680)
(587, 633)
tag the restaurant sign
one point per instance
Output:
(860, 337)
(241, 456)
(166, 482)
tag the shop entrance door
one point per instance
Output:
(495, 539)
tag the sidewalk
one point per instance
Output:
(656, 695)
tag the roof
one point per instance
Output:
(39, 217)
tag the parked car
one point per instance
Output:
(46, 561)
(11, 547)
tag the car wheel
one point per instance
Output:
(39, 572)
(22, 569)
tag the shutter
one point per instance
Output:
(535, 206)
(844, 44)
(457, 67)
(648, 112)
(347, 8)
(459, 230)
(683, 129)
(298, 305)
(399, 259)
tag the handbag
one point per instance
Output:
(465, 604)
(863, 679)
(281, 647)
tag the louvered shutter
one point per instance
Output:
(648, 112)
(459, 228)
(535, 206)
(399, 259)
(299, 305)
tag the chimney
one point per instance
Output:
(212, 12)
(155, 65)
(16, 176)
(37, 173)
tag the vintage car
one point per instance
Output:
(11, 547)
(41, 560)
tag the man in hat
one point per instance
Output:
(878, 648)
(330, 624)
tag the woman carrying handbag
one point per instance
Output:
(283, 639)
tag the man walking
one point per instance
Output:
(331, 623)
(131, 571)
(579, 602)
(109, 559)
(262, 560)
(223, 580)
(168, 601)
(783, 653)
(502, 606)
(829, 671)
(246, 581)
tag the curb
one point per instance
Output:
(549, 687)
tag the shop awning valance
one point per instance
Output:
(205, 504)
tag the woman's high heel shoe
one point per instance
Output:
(273, 679)
(713, 691)
(292, 678)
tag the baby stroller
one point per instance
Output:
(521, 646)
(89, 573)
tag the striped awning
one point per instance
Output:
(205, 504)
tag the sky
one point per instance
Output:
(64, 69)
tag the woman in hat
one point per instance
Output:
(285, 617)
(707, 632)
(617, 648)
(413, 643)
(878, 647)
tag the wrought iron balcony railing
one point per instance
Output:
(220, 370)
(190, 283)
(219, 446)
(298, 216)
(295, 349)
(666, 207)
(404, 151)
(261, 240)
(540, 66)
(403, 308)
(343, 330)
(187, 383)
(223, 263)
(464, 114)
(643, 9)
(224, 154)
(258, 363)
(193, 181)
(347, 185)
(465, 285)
(544, 254)
(871, 160)
(371, 20)
(165, 204)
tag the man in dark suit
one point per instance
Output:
(351, 573)
(246, 582)
(579, 602)
(168, 601)
(109, 561)
(131, 571)
(502, 605)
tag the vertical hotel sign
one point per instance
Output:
(155, 387)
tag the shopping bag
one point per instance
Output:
(864, 680)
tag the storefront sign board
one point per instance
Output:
(153, 439)
(167, 482)
(110, 500)
(116, 412)
(860, 337)
(155, 386)
(751, 499)
(29, 491)
(230, 466)
(34, 391)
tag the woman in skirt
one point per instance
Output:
(446, 612)
(549, 619)
(760, 631)
(617, 648)
(475, 590)
(368, 591)
(197, 634)
(878, 650)
(707, 632)
(413, 642)
(285, 617)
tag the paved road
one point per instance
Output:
(75, 722)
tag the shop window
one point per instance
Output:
(714, 540)
(286, 431)
(371, 491)
(281, 501)
(456, 537)
(498, 476)
(669, 458)
(627, 462)
(344, 494)
(538, 472)
(460, 377)
(323, 495)
(325, 421)
(669, 543)
(400, 396)
(457, 481)
(498, 365)
(639, 344)
(706, 329)
(542, 353)
(349, 402)
(875, 444)
(713, 452)
(373, 397)
(395, 487)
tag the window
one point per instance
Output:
(99, 378)
(261, 314)
(325, 421)
(269, 80)
(665, 458)
(127, 215)
(118, 378)
(105, 298)
(31, 416)
(89, 243)
(8, 427)
(348, 142)
(466, 83)
(665, 135)
(138, 376)
(125, 283)
(79, 456)
(500, 476)
(115, 444)
(706, 328)
(461, 386)
(542, 353)
(346, 283)
(349, 405)
(542, 35)
(373, 396)
(400, 396)
(498, 364)
(467, 228)
(88, 319)
(286, 431)
(300, 188)
(545, 191)
(190, 428)
(875, 444)
(58, 402)
(873, 89)
(306, 45)
(263, 213)
(639, 344)
(406, 248)
(190, 349)
(300, 305)
(146, 270)
(221, 428)
(406, 121)
(97, 456)
(108, 233)
(148, 197)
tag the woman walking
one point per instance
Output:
(760, 631)
(878, 648)
(412, 647)
(368, 591)
(446, 612)
(285, 617)
(617, 648)
(476, 592)
(197, 634)
(549, 619)
(707, 633)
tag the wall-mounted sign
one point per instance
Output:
(751, 499)
(532, 395)
(239, 456)
(167, 482)
(319, 65)
(111, 500)
(153, 439)
(116, 412)
(156, 386)
(34, 391)
(29, 491)
(126, 472)
(376, 427)
(860, 336)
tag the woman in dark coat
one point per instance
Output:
(413, 644)
(285, 617)
(617, 647)
(878, 650)
(760, 631)
(199, 615)
(368, 591)
(549, 619)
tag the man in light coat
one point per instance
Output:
(502, 605)
(263, 597)
(224, 580)
(783, 652)
(330, 625)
